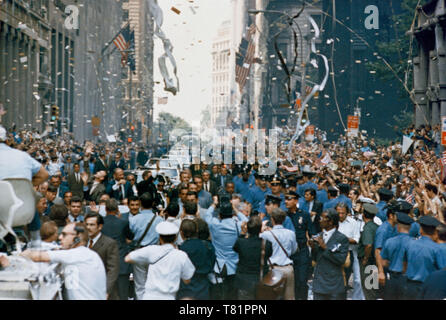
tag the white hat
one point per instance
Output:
(166, 228)
(2, 133)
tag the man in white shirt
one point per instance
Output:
(284, 245)
(167, 265)
(84, 272)
(351, 229)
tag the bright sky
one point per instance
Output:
(191, 36)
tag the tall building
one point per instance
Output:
(138, 87)
(221, 75)
(34, 49)
(47, 62)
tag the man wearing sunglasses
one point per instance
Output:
(84, 272)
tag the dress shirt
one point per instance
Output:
(95, 239)
(79, 218)
(327, 235)
(135, 190)
(288, 240)
(350, 228)
(116, 187)
(207, 186)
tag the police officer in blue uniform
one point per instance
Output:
(272, 202)
(301, 258)
(307, 175)
(406, 207)
(392, 254)
(276, 190)
(385, 195)
(385, 231)
(332, 196)
(259, 191)
(423, 257)
(344, 189)
(243, 185)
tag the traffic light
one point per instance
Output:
(54, 113)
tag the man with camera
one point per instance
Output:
(84, 272)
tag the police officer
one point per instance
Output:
(301, 258)
(243, 185)
(259, 191)
(392, 257)
(385, 195)
(332, 193)
(365, 247)
(385, 231)
(272, 202)
(423, 256)
(406, 207)
(276, 190)
(307, 176)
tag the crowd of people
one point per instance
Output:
(348, 219)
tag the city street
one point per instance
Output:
(222, 150)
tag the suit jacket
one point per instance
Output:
(108, 250)
(328, 276)
(213, 187)
(97, 192)
(146, 186)
(317, 207)
(76, 187)
(117, 194)
(99, 166)
(113, 165)
(118, 229)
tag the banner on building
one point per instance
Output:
(352, 126)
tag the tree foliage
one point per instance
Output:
(171, 122)
(397, 47)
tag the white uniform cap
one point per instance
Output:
(166, 228)
(2, 133)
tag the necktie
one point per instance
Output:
(77, 177)
(91, 244)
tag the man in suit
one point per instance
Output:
(204, 197)
(107, 249)
(96, 188)
(119, 162)
(330, 251)
(147, 184)
(118, 188)
(118, 229)
(62, 187)
(312, 206)
(161, 198)
(208, 184)
(101, 164)
(215, 174)
(76, 182)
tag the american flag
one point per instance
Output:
(443, 158)
(410, 198)
(125, 42)
(245, 57)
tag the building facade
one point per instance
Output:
(221, 75)
(430, 64)
(138, 87)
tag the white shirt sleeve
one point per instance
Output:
(35, 165)
(115, 186)
(143, 255)
(65, 256)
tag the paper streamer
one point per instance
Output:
(318, 87)
(169, 84)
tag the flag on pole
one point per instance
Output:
(245, 57)
(443, 158)
(125, 42)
